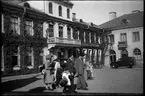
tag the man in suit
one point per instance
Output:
(79, 65)
(72, 70)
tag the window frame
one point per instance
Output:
(50, 8)
(123, 37)
(2, 59)
(50, 30)
(17, 67)
(15, 24)
(2, 23)
(60, 28)
(60, 10)
(111, 38)
(30, 33)
(68, 13)
(40, 29)
(32, 57)
(138, 55)
(135, 36)
(68, 32)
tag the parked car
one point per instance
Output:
(126, 61)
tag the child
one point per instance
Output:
(91, 70)
(88, 70)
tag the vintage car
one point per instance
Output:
(126, 61)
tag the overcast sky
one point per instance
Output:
(98, 11)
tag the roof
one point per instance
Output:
(125, 21)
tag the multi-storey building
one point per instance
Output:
(125, 37)
(67, 33)
(27, 34)
(22, 38)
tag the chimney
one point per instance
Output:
(135, 11)
(73, 16)
(112, 15)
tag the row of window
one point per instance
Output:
(136, 53)
(28, 26)
(88, 36)
(123, 37)
(29, 30)
(59, 10)
(15, 57)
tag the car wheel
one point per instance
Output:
(113, 66)
(129, 66)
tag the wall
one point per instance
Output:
(131, 45)
(55, 10)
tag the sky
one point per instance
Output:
(97, 12)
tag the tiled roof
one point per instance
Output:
(125, 21)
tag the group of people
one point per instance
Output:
(64, 75)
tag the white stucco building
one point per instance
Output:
(125, 38)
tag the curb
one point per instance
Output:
(10, 78)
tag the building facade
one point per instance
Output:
(70, 34)
(27, 34)
(22, 38)
(125, 37)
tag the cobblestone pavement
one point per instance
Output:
(121, 80)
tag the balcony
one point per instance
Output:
(59, 40)
(122, 44)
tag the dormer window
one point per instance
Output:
(50, 8)
(26, 5)
(124, 21)
(60, 10)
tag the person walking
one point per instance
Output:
(48, 77)
(79, 65)
(72, 70)
(87, 64)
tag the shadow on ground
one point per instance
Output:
(60, 93)
(38, 89)
(14, 84)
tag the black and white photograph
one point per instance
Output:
(72, 47)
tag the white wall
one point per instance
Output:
(131, 45)
(55, 10)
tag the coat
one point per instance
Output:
(79, 66)
(70, 66)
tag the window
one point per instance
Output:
(84, 36)
(136, 36)
(14, 25)
(137, 53)
(68, 13)
(60, 10)
(50, 8)
(40, 29)
(90, 37)
(123, 37)
(15, 57)
(50, 32)
(75, 34)
(29, 57)
(69, 33)
(94, 37)
(111, 38)
(124, 21)
(2, 22)
(60, 31)
(99, 40)
(29, 28)
(2, 58)
(41, 54)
